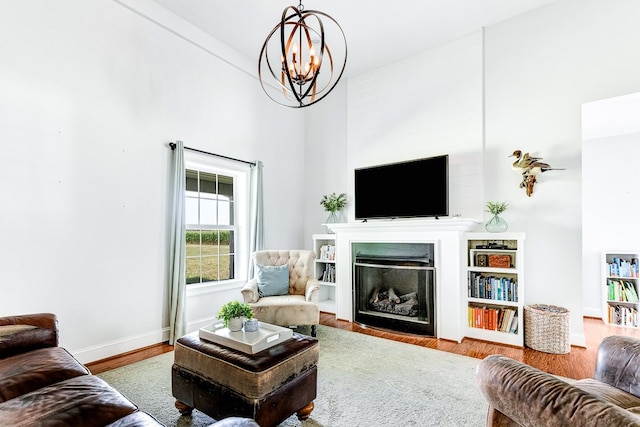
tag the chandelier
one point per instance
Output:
(299, 69)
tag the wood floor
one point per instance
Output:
(579, 363)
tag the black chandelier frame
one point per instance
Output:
(299, 85)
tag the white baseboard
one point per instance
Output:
(592, 312)
(124, 345)
(578, 340)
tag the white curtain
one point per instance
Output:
(256, 236)
(177, 249)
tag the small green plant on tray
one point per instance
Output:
(235, 309)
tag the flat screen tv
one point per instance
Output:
(416, 188)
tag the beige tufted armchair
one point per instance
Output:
(298, 305)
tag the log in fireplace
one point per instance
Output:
(395, 291)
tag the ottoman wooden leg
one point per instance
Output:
(304, 413)
(183, 408)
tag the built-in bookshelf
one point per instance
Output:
(495, 287)
(620, 278)
(324, 246)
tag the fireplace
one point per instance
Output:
(445, 236)
(394, 286)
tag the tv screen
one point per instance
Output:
(417, 188)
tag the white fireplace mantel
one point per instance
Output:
(399, 225)
(449, 259)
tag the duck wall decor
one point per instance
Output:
(529, 167)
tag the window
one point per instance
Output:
(211, 231)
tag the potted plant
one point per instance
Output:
(333, 203)
(496, 224)
(233, 313)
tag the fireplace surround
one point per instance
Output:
(448, 258)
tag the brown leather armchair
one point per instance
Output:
(520, 395)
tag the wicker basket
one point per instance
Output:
(546, 328)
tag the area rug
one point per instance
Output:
(362, 381)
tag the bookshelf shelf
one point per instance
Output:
(325, 270)
(330, 284)
(495, 287)
(484, 301)
(620, 281)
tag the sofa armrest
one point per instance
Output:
(312, 291)
(22, 333)
(250, 291)
(529, 397)
(618, 363)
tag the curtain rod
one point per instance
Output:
(173, 147)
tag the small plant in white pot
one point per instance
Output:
(234, 313)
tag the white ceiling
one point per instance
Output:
(377, 33)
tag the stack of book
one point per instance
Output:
(619, 290)
(494, 319)
(327, 252)
(496, 288)
(622, 315)
(329, 274)
(623, 268)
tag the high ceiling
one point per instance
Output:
(377, 33)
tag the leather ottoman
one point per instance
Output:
(268, 386)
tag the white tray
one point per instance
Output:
(266, 336)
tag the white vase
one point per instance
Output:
(235, 324)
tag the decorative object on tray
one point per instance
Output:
(266, 336)
(496, 224)
(529, 167)
(251, 325)
(333, 203)
(234, 313)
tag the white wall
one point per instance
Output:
(540, 67)
(610, 187)
(326, 157)
(426, 105)
(90, 94)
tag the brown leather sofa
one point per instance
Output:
(42, 384)
(520, 395)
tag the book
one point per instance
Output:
(329, 274)
(630, 290)
(514, 324)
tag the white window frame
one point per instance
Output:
(240, 173)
